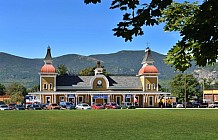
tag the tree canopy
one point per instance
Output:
(2, 89)
(178, 88)
(62, 70)
(91, 72)
(16, 92)
(196, 23)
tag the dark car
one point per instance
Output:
(200, 105)
(112, 105)
(12, 106)
(67, 105)
(35, 107)
(127, 105)
(19, 107)
(43, 106)
(188, 104)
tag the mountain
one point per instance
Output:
(25, 71)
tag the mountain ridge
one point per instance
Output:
(25, 70)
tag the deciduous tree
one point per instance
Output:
(196, 23)
(178, 89)
(16, 92)
(2, 89)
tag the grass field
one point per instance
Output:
(109, 124)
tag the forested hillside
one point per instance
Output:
(25, 71)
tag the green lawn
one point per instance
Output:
(109, 124)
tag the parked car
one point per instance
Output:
(53, 106)
(179, 105)
(213, 105)
(19, 107)
(43, 106)
(188, 104)
(4, 107)
(12, 106)
(84, 106)
(67, 105)
(200, 104)
(112, 105)
(127, 105)
(97, 106)
(28, 106)
(35, 107)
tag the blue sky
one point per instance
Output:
(27, 27)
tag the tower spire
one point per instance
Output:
(48, 58)
(148, 60)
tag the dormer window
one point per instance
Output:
(50, 86)
(153, 86)
(45, 86)
(148, 86)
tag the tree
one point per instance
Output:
(35, 88)
(87, 72)
(16, 92)
(2, 89)
(197, 24)
(178, 90)
(137, 14)
(62, 70)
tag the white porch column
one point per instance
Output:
(66, 98)
(91, 98)
(108, 98)
(76, 99)
(55, 83)
(40, 98)
(165, 103)
(144, 100)
(123, 98)
(134, 99)
(40, 81)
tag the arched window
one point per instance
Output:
(153, 86)
(50, 86)
(148, 86)
(45, 86)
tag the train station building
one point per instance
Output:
(141, 89)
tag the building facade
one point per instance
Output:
(142, 89)
(210, 95)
